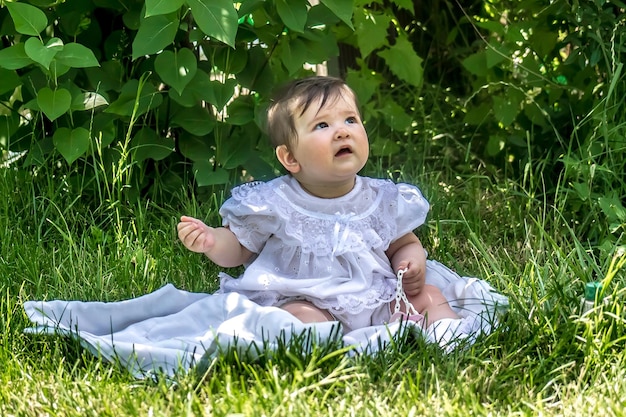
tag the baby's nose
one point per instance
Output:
(342, 132)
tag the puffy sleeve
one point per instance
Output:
(412, 208)
(249, 215)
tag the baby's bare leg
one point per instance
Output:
(431, 303)
(306, 312)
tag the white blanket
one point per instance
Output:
(171, 330)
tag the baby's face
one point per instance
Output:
(331, 145)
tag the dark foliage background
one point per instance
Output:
(147, 99)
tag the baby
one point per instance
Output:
(322, 242)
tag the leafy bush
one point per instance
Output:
(548, 96)
(139, 97)
(148, 92)
(145, 97)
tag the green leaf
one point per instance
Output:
(319, 15)
(404, 62)
(230, 61)
(216, 18)
(147, 144)
(54, 103)
(292, 55)
(363, 83)
(342, 9)
(320, 46)
(9, 80)
(154, 34)
(149, 98)
(74, 90)
(132, 18)
(40, 53)
(396, 117)
(235, 150)
(478, 115)
(384, 147)
(505, 109)
(28, 20)
(613, 209)
(240, 111)
(205, 174)
(544, 41)
(88, 101)
(195, 148)
(196, 120)
(186, 99)
(247, 7)
(219, 93)
(199, 86)
(71, 143)
(582, 190)
(495, 145)
(176, 68)
(75, 55)
(257, 75)
(371, 31)
(14, 57)
(258, 168)
(157, 7)
(536, 114)
(57, 69)
(292, 13)
(476, 63)
(496, 54)
(495, 26)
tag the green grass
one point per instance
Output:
(543, 360)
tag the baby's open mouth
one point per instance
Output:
(343, 151)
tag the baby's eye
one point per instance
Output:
(351, 120)
(321, 125)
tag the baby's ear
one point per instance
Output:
(287, 159)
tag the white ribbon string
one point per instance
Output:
(401, 295)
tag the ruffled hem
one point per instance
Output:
(382, 293)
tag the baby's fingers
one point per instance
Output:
(412, 283)
(413, 288)
(196, 241)
(191, 220)
(185, 228)
(188, 232)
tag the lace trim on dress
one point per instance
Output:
(359, 228)
(356, 303)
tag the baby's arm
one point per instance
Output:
(219, 244)
(407, 252)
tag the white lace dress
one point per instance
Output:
(330, 252)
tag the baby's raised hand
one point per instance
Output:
(195, 235)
